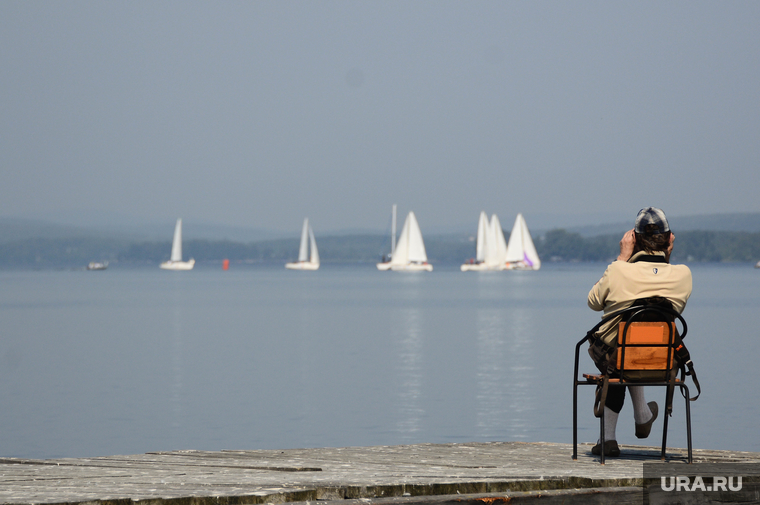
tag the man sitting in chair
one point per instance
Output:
(642, 270)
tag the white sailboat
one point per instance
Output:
(521, 253)
(481, 246)
(409, 254)
(307, 260)
(490, 247)
(175, 262)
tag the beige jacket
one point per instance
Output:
(625, 282)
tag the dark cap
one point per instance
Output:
(651, 215)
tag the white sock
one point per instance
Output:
(641, 411)
(610, 422)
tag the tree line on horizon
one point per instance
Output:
(556, 245)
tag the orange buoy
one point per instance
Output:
(226, 264)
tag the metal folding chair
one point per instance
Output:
(646, 343)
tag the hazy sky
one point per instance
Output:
(257, 114)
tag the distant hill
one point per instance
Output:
(748, 221)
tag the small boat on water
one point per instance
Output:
(409, 254)
(757, 265)
(307, 260)
(490, 247)
(521, 253)
(175, 262)
(481, 244)
(97, 265)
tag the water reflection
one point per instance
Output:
(307, 392)
(491, 372)
(521, 392)
(409, 338)
(176, 358)
(505, 358)
(505, 392)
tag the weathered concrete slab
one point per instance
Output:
(398, 474)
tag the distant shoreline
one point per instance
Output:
(553, 246)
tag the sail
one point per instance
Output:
(314, 252)
(501, 242)
(410, 247)
(401, 254)
(529, 249)
(515, 247)
(497, 250)
(521, 248)
(481, 243)
(176, 263)
(306, 260)
(416, 245)
(177, 242)
(303, 251)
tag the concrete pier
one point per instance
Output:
(481, 473)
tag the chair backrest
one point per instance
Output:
(645, 345)
(645, 349)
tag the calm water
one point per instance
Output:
(134, 360)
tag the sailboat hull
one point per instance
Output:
(384, 266)
(519, 265)
(302, 265)
(178, 265)
(412, 267)
(481, 267)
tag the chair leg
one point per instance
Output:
(664, 427)
(601, 435)
(688, 420)
(575, 418)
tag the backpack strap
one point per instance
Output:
(683, 356)
(693, 374)
(600, 398)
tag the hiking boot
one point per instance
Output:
(610, 449)
(642, 430)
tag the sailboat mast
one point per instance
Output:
(393, 230)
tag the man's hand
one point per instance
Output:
(670, 247)
(626, 245)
